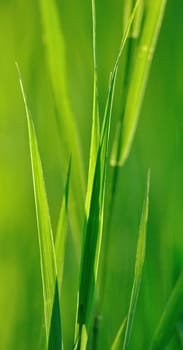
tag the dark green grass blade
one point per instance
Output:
(153, 14)
(70, 144)
(94, 222)
(46, 244)
(62, 230)
(169, 318)
(117, 340)
(140, 255)
(95, 134)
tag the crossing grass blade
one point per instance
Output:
(70, 145)
(141, 61)
(94, 221)
(46, 243)
(117, 340)
(95, 134)
(62, 230)
(169, 318)
(140, 255)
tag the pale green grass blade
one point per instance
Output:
(170, 317)
(94, 222)
(95, 134)
(140, 255)
(62, 230)
(70, 144)
(127, 10)
(46, 243)
(153, 14)
(117, 340)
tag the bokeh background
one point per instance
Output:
(158, 144)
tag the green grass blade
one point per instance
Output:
(153, 14)
(117, 340)
(95, 134)
(170, 317)
(140, 255)
(127, 9)
(62, 230)
(94, 222)
(46, 243)
(70, 144)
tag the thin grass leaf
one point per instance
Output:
(94, 222)
(169, 318)
(127, 9)
(62, 230)
(139, 262)
(117, 340)
(70, 144)
(46, 244)
(152, 19)
(95, 134)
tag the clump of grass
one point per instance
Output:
(142, 23)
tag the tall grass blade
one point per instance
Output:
(95, 134)
(169, 318)
(140, 255)
(117, 340)
(70, 144)
(94, 222)
(46, 243)
(62, 230)
(152, 19)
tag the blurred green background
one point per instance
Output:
(158, 144)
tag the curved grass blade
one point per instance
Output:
(70, 144)
(140, 255)
(95, 134)
(61, 230)
(94, 222)
(46, 244)
(169, 318)
(117, 340)
(153, 14)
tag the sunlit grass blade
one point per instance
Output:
(62, 230)
(169, 318)
(94, 221)
(46, 243)
(152, 19)
(117, 340)
(70, 144)
(139, 262)
(95, 134)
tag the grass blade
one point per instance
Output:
(140, 255)
(46, 244)
(153, 14)
(61, 230)
(94, 221)
(170, 317)
(117, 340)
(70, 144)
(95, 134)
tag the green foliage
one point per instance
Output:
(104, 216)
(46, 244)
(170, 317)
(139, 262)
(137, 69)
(69, 139)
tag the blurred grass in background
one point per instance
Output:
(158, 144)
